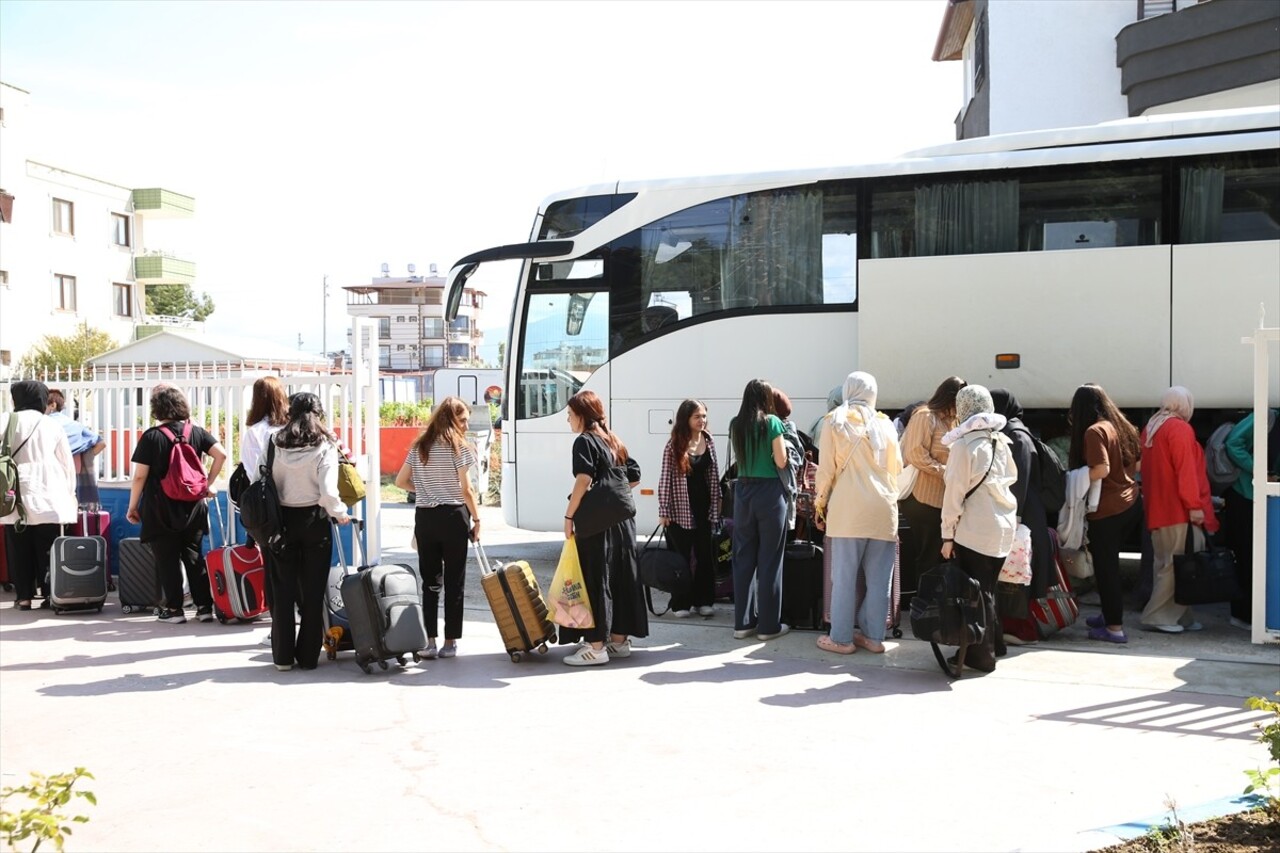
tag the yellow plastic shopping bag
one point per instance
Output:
(567, 599)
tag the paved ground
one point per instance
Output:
(697, 742)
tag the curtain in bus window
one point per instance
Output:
(967, 218)
(1201, 204)
(774, 255)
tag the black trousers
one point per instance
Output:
(696, 547)
(925, 523)
(299, 575)
(175, 553)
(1237, 528)
(984, 570)
(29, 558)
(1106, 537)
(611, 574)
(444, 534)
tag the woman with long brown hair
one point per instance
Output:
(689, 504)
(1103, 440)
(611, 552)
(923, 448)
(438, 472)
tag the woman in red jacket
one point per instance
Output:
(1175, 493)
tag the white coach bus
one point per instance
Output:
(1134, 254)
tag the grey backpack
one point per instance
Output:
(1218, 465)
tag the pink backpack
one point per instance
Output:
(186, 479)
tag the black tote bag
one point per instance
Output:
(1206, 576)
(607, 502)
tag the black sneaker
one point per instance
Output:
(204, 614)
(174, 617)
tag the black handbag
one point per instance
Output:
(1204, 577)
(1012, 600)
(260, 506)
(606, 503)
(948, 610)
(662, 569)
(727, 481)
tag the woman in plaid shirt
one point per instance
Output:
(689, 504)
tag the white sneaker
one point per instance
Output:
(1240, 623)
(706, 610)
(619, 650)
(681, 614)
(744, 633)
(783, 630)
(284, 667)
(587, 656)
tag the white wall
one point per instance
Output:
(1031, 40)
(1256, 95)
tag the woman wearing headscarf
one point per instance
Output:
(1031, 511)
(1175, 493)
(46, 488)
(857, 506)
(979, 513)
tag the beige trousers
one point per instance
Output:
(1161, 609)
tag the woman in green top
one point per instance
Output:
(759, 515)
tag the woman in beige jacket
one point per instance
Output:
(857, 506)
(922, 448)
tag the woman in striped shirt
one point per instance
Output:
(437, 470)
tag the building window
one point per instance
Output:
(384, 327)
(66, 297)
(460, 352)
(122, 299)
(120, 230)
(461, 324)
(433, 356)
(384, 356)
(5, 357)
(64, 217)
(4, 278)
(980, 54)
(433, 327)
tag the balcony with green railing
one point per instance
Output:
(161, 202)
(159, 269)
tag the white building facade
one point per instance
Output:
(73, 248)
(1035, 64)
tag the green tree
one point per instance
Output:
(178, 300)
(55, 354)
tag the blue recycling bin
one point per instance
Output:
(1271, 615)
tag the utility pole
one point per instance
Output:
(324, 334)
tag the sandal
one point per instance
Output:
(23, 605)
(876, 648)
(829, 645)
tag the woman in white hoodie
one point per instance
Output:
(305, 469)
(979, 512)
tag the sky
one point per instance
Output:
(327, 138)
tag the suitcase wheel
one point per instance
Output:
(222, 617)
(126, 608)
(897, 632)
(516, 657)
(99, 608)
(542, 649)
(417, 658)
(332, 655)
(382, 664)
(364, 667)
(399, 659)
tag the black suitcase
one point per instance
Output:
(383, 607)
(802, 585)
(78, 573)
(139, 583)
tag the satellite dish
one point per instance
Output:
(412, 269)
(386, 268)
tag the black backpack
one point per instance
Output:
(1053, 477)
(260, 506)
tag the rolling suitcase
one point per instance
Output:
(95, 521)
(383, 605)
(802, 585)
(237, 578)
(337, 627)
(518, 606)
(138, 583)
(893, 622)
(78, 573)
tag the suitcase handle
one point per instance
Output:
(486, 568)
(357, 527)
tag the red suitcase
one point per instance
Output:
(90, 522)
(237, 578)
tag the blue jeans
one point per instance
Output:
(873, 558)
(759, 541)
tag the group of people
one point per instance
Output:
(974, 479)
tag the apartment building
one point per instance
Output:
(76, 248)
(1038, 64)
(413, 338)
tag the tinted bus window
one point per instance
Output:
(575, 215)
(1230, 198)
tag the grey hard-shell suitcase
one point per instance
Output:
(384, 608)
(139, 582)
(78, 573)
